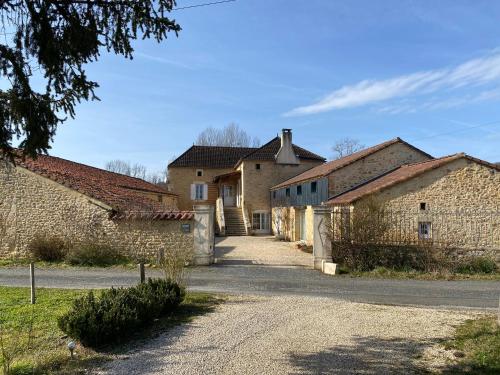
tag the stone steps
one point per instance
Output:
(235, 225)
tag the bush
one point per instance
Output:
(49, 249)
(359, 257)
(476, 265)
(92, 254)
(117, 312)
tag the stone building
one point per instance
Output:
(292, 200)
(238, 180)
(53, 197)
(452, 201)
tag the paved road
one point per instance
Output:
(269, 280)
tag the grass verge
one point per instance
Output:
(479, 343)
(30, 334)
(387, 273)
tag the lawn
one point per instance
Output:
(479, 343)
(31, 336)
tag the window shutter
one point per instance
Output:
(205, 192)
(193, 192)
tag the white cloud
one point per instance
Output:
(472, 73)
(161, 60)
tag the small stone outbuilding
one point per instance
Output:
(50, 196)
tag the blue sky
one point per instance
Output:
(426, 71)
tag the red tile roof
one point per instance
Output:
(124, 194)
(327, 168)
(398, 175)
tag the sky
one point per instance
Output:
(426, 71)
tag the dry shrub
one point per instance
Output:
(359, 243)
(173, 263)
(48, 248)
(94, 254)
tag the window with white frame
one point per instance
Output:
(199, 172)
(261, 221)
(199, 192)
(424, 230)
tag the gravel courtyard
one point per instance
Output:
(259, 250)
(294, 335)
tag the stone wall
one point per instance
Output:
(462, 203)
(256, 183)
(181, 179)
(373, 165)
(32, 205)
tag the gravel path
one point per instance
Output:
(261, 250)
(294, 335)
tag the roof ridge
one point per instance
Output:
(337, 164)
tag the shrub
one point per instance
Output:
(117, 312)
(476, 265)
(49, 249)
(367, 257)
(93, 254)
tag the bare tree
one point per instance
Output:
(127, 168)
(231, 135)
(138, 171)
(346, 146)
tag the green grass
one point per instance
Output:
(47, 352)
(387, 273)
(479, 341)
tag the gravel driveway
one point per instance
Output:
(259, 250)
(294, 335)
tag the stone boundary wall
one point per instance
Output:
(32, 205)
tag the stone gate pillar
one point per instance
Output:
(322, 245)
(204, 240)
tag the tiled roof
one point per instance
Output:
(398, 175)
(122, 193)
(327, 168)
(211, 157)
(271, 148)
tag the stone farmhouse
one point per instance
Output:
(453, 201)
(238, 180)
(293, 200)
(49, 196)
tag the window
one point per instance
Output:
(199, 172)
(257, 166)
(199, 192)
(424, 230)
(287, 192)
(423, 206)
(299, 190)
(260, 221)
(274, 194)
(314, 187)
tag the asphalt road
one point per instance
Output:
(269, 280)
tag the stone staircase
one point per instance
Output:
(235, 225)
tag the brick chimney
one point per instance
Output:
(286, 154)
